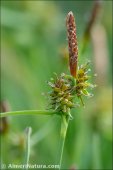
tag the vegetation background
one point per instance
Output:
(33, 46)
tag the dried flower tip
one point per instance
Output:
(72, 43)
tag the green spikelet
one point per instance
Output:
(82, 83)
(66, 89)
(62, 94)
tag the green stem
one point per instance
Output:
(28, 112)
(27, 149)
(64, 126)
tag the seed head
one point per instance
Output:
(72, 43)
(65, 89)
(62, 94)
(82, 82)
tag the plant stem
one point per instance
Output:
(28, 112)
(27, 149)
(64, 126)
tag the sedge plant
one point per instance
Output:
(65, 89)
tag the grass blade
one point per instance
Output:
(27, 146)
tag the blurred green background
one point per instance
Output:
(33, 47)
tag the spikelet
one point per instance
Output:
(62, 94)
(72, 43)
(82, 82)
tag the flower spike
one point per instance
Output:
(72, 43)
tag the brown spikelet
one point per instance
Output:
(72, 43)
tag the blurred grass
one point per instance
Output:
(33, 39)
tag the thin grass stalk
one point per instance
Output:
(28, 112)
(63, 132)
(27, 147)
